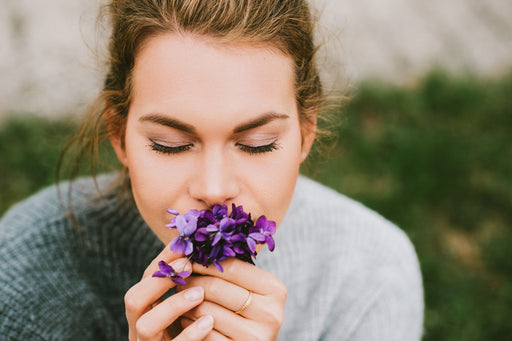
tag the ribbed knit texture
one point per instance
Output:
(350, 274)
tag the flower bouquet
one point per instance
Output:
(211, 236)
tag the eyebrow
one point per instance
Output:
(168, 122)
(260, 121)
(187, 128)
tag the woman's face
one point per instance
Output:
(211, 124)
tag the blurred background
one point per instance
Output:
(424, 139)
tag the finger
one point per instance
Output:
(146, 293)
(245, 275)
(196, 330)
(213, 335)
(166, 255)
(226, 322)
(224, 293)
(153, 323)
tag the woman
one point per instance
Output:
(206, 103)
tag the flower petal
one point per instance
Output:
(179, 281)
(164, 266)
(218, 266)
(212, 228)
(252, 244)
(215, 251)
(178, 245)
(192, 216)
(165, 270)
(159, 274)
(226, 224)
(190, 228)
(257, 236)
(189, 247)
(171, 211)
(239, 237)
(201, 235)
(228, 252)
(238, 249)
(208, 215)
(270, 243)
(271, 227)
(216, 239)
(181, 223)
(183, 274)
(172, 224)
(261, 222)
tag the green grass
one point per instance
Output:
(29, 149)
(434, 158)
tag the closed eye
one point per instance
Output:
(258, 149)
(160, 148)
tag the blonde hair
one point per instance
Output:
(283, 24)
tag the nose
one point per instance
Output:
(214, 181)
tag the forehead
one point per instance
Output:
(186, 72)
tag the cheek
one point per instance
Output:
(274, 184)
(155, 186)
(146, 181)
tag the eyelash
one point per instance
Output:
(169, 150)
(259, 149)
(248, 149)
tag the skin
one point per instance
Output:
(210, 124)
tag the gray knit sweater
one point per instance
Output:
(350, 274)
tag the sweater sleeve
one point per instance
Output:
(391, 307)
(396, 313)
(14, 326)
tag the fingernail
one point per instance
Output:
(193, 294)
(205, 322)
(181, 264)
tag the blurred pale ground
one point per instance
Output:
(48, 49)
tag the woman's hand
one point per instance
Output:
(149, 316)
(228, 292)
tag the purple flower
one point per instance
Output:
(238, 214)
(211, 236)
(220, 211)
(171, 211)
(167, 271)
(221, 231)
(262, 233)
(186, 225)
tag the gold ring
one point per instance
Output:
(246, 304)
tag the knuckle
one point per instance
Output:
(274, 318)
(214, 287)
(280, 290)
(277, 290)
(284, 292)
(213, 337)
(230, 267)
(194, 313)
(147, 272)
(278, 320)
(199, 311)
(261, 335)
(143, 330)
(272, 313)
(257, 337)
(253, 334)
(131, 301)
(191, 332)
